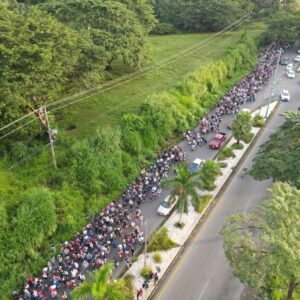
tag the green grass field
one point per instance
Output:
(107, 108)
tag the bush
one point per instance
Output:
(157, 258)
(146, 272)
(208, 174)
(179, 225)
(161, 241)
(222, 164)
(164, 28)
(249, 137)
(128, 282)
(201, 203)
(258, 121)
(237, 146)
(226, 153)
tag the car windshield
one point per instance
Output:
(215, 140)
(285, 93)
(194, 167)
(165, 204)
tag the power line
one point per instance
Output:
(148, 69)
(120, 81)
(128, 80)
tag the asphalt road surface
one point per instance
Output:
(202, 273)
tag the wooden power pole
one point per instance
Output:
(47, 126)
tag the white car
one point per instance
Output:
(289, 67)
(297, 58)
(290, 74)
(285, 95)
(196, 165)
(167, 205)
(298, 51)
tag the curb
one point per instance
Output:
(214, 200)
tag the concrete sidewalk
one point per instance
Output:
(180, 236)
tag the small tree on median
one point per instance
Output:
(208, 174)
(185, 185)
(241, 126)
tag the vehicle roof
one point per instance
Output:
(218, 136)
(198, 161)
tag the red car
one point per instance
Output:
(217, 140)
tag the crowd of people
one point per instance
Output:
(240, 93)
(116, 231)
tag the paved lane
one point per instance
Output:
(203, 272)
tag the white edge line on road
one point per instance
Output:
(204, 289)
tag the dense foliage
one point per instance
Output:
(120, 27)
(94, 171)
(263, 246)
(212, 15)
(57, 47)
(101, 286)
(200, 15)
(283, 26)
(241, 126)
(279, 158)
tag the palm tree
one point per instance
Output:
(99, 286)
(186, 184)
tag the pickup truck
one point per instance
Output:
(217, 140)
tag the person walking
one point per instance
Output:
(139, 294)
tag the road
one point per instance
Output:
(202, 273)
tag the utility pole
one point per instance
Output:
(272, 85)
(47, 126)
(145, 248)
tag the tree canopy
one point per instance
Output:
(241, 126)
(263, 246)
(99, 286)
(283, 26)
(200, 15)
(119, 26)
(39, 58)
(279, 158)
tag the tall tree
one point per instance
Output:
(112, 24)
(263, 246)
(100, 286)
(283, 26)
(200, 15)
(279, 158)
(241, 126)
(39, 57)
(185, 185)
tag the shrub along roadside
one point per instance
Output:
(94, 171)
(160, 241)
(201, 203)
(258, 121)
(226, 153)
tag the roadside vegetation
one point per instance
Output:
(278, 158)
(94, 171)
(160, 241)
(75, 54)
(263, 246)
